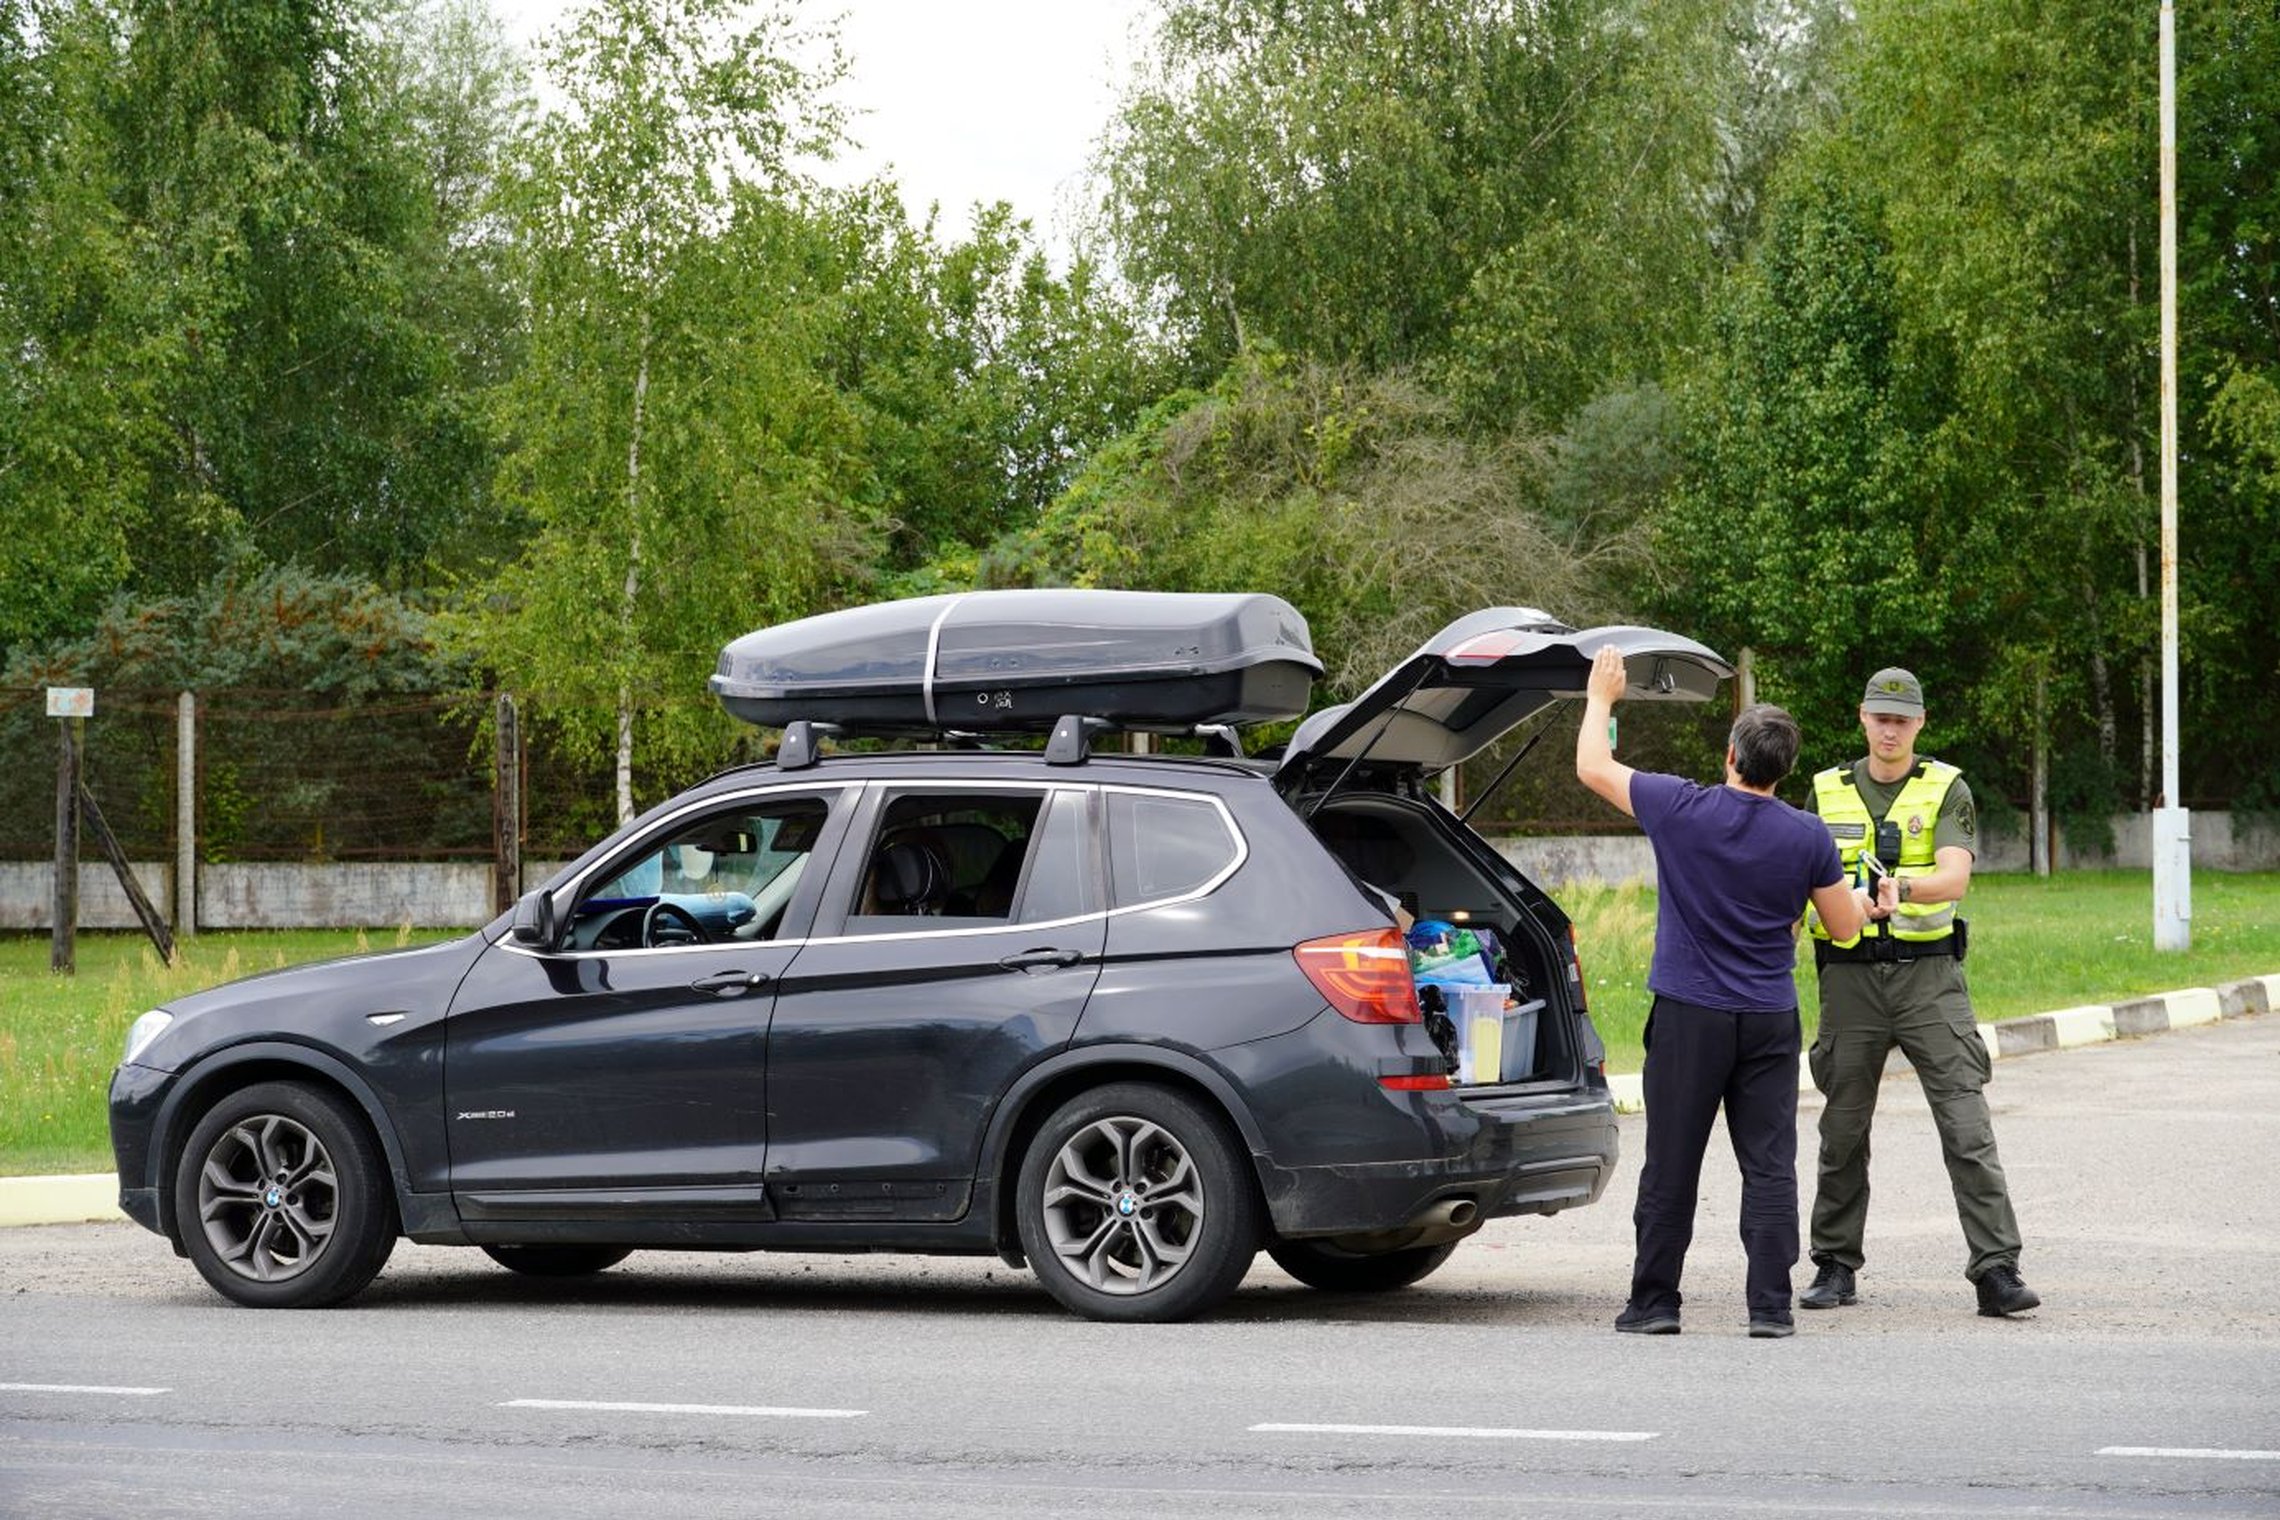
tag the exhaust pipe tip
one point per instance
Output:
(1450, 1211)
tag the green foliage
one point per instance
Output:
(1819, 328)
(1527, 199)
(1801, 532)
(686, 469)
(270, 160)
(75, 423)
(1925, 431)
(1355, 496)
(267, 629)
(976, 375)
(248, 318)
(746, 397)
(2228, 262)
(327, 721)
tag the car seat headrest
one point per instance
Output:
(909, 877)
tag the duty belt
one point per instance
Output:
(1883, 947)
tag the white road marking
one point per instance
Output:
(622, 1407)
(1468, 1432)
(2200, 1453)
(79, 1388)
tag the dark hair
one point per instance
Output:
(1765, 742)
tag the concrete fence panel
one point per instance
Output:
(378, 895)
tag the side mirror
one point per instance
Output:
(533, 923)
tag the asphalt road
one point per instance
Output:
(2148, 1385)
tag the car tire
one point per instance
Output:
(1318, 1264)
(1135, 1204)
(558, 1261)
(282, 1199)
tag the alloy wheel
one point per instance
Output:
(268, 1197)
(1123, 1205)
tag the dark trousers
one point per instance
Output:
(1697, 1059)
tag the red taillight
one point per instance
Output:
(1417, 1084)
(1575, 972)
(1488, 648)
(1364, 976)
(1582, 1003)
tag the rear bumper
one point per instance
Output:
(1508, 1156)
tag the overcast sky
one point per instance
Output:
(963, 100)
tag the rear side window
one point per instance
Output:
(1163, 847)
(957, 857)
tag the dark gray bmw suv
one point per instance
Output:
(1127, 1018)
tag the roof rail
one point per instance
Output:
(1069, 744)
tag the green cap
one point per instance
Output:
(1893, 690)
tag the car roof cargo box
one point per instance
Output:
(1018, 661)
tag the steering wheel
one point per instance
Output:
(682, 927)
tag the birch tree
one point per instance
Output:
(662, 420)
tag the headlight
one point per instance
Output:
(144, 1030)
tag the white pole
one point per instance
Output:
(2172, 829)
(185, 817)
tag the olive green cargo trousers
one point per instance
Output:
(1923, 1007)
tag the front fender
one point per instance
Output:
(198, 1087)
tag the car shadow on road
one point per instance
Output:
(447, 1278)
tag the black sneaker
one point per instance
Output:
(2001, 1292)
(1767, 1327)
(1633, 1321)
(1832, 1286)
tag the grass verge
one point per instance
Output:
(60, 1036)
(2036, 945)
(2084, 937)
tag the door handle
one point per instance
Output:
(729, 984)
(1030, 960)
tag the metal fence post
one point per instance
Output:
(65, 905)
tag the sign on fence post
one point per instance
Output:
(74, 705)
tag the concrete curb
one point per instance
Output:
(78, 1200)
(59, 1200)
(2068, 1027)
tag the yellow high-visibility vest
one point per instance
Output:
(1851, 825)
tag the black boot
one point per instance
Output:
(2001, 1292)
(1832, 1286)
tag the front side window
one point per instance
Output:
(1162, 847)
(721, 876)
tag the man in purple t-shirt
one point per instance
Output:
(1736, 866)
